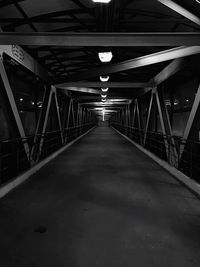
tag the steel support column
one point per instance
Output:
(194, 115)
(14, 109)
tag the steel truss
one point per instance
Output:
(76, 120)
(130, 121)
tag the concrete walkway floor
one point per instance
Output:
(102, 203)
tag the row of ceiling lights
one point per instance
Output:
(104, 57)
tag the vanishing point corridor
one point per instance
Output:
(101, 203)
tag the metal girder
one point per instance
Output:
(14, 109)
(139, 120)
(58, 114)
(167, 72)
(162, 122)
(106, 103)
(101, 39)
(103, 84)
(41, 126)
(149, 115)
(19, 55)
(134, 113)
(167, 129)
(55, 14)
(181, 10)
(69, 112)
(194, 114)
(81, 89)
(175, 66)
(147, 60)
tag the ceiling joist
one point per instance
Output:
(138, 62)
(181, 10)
(101, 39)
(103, 85)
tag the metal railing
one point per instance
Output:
(178, 152)
(14, 160)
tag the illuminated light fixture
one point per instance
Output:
(101, 1)
(103, 113)
(198, 1)
(103, 96)
(39, 104)
(32, 103)
(104, 78)
(104, 90)
(21, 99)
(105, 56)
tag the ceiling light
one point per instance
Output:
(105, 56)
(104, 90)
(103, 113)
(101, 1)
(103, 96)
(104, 78)
(198, 1)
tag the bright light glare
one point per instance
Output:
(105, 56)
(104, 78)
(103, 100)
(103, 96)
(103, 115)
(101, 1)
(198, 1)
(104, 90)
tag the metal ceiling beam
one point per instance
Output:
(175, 66)
(112, 103)
(49, 15)
(103, 84)
(137, 62)
(82, 90)
(167, 72)
(181, 10)
(101, 39)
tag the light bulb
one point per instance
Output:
(104, 78)
(105, 56)
(104, 90)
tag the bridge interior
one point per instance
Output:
(102, 202)
(94, 83)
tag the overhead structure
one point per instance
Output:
(102, 53)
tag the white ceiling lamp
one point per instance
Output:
(103, 96)
(104, 90)
(105, 56)
(103, 113)
(101, 1)
(104, 78)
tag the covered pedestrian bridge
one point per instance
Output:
(99, 133)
